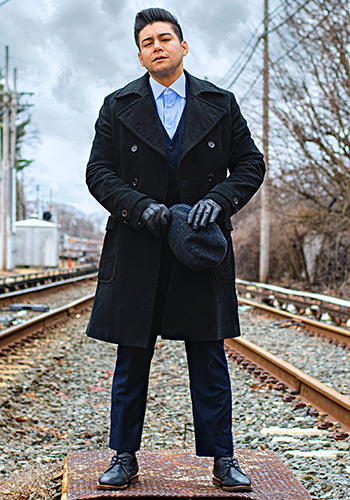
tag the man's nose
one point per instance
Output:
(157, 45)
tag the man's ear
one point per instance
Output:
(140, 59)
(184, 48)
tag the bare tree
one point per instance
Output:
(310, 139)
(311, 82)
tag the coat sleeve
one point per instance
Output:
(246, 167)
(104, 184)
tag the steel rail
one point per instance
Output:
(22, 280)
(336, 333)
(19, 332)
(297, 293)
(335, 307)
(37, 289)
(316, 393)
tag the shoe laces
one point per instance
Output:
(232, 462)
(116, 459)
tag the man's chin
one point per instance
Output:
(161, 73)
(164, 70)
(161, 69)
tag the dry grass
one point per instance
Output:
(32, 484)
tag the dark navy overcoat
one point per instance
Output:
(128, 169)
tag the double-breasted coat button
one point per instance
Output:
(134, 148)
(135, 182)
(211, 144)
(210, 177)
(235, 200)
(124, 213)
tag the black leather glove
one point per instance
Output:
(203, 213)
(156, 217)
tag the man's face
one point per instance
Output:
(161, 52)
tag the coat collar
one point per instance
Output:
(140, 86)
(141, 116)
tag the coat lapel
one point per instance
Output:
(140, 117)
(201, 118)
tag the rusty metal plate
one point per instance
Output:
(181, 475)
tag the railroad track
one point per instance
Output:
(321, 307)
(15, 296)
(10, 336)
(22, 281)
(337, 334)
(14, 305)
(260, 363)
(275, 371)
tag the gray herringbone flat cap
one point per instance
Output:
(199, 249)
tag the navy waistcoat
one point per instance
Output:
(173, 148)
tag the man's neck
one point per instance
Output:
(167, 80)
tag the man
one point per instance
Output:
(164, 139)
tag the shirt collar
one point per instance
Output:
(179, 86)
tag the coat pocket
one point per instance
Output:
(225, 272)
(108, 261)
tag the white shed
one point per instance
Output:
(36, 243)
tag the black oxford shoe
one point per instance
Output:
(122, 472)
(229, 476)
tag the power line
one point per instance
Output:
(246, 62)
(240, 56)
(233, 67)
(231, 70)
(250, 90)
(2, 3)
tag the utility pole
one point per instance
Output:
(38, 199)
(264, 192)
(8, 171)
(13, 140)
(5, 164)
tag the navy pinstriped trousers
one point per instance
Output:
(210, 393)
(209, 384)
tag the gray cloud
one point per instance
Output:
(73, 53)
(113, 7)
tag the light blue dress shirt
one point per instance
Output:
(170, 102)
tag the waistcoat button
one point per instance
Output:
(172, 148)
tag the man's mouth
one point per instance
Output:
(160, 58)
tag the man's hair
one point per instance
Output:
(155, 15)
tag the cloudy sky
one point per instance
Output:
(71, 53)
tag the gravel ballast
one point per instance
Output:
(60, 401)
